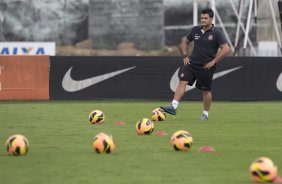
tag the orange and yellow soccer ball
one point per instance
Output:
(181, 140)
(263, 170)
(158, 114)
(144, 127)
(96, 117)
(17, 145)
(103, 143)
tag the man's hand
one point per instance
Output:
(209, 65)
(186, 61)
(224, 49)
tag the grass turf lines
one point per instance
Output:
(60, 137)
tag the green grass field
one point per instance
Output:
(60, 138)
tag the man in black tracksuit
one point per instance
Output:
(201, 65)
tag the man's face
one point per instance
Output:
(206, 20)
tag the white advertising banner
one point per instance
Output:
(28, 48)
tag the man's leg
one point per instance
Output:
(180, 90)
(207, 99)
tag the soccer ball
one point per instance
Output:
(263, 170)
(144, 127)
(103, 143)
(181, 140)
(17, 145)
(96, 117)
(158, 114)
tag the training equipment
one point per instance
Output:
(17, 145)
(103, 143)
(161, 134)
(181, 140)
(96, 117)
(169, 109)
(119, 123)
(263, 170)
(206, 149)
(158, 114)
(144, 127)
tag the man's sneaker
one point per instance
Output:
(204, 117)
(169, 109)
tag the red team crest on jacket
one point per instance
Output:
(210, 37)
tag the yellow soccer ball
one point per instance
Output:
(103, 143)
(144, 127)
(96, 117)
(263, 170)
(17, 145)
(181, 140)
(158, 114)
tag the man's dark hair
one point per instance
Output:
(208, 11)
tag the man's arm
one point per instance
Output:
(223, 51)
(184, 48)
